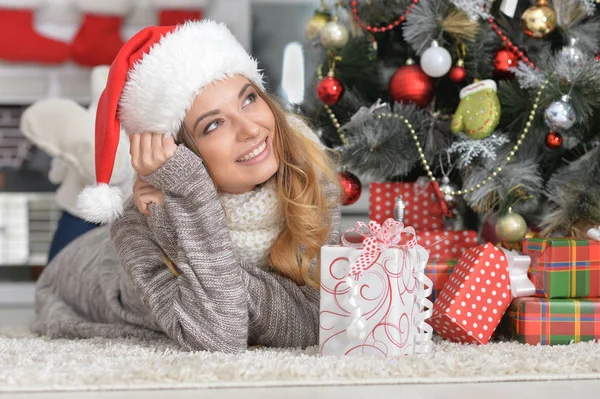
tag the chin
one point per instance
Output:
(265, 174)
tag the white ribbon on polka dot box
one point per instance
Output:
(374, 293)
(478, 293)
(422, 207)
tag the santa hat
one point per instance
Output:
(151, 85)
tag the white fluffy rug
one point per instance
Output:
(31, 363)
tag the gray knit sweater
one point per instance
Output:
(113, 282)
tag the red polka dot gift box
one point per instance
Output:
(478, 293)
(422, 209)
(447, 245)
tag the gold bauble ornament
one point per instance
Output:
(316, 23)
(511, 228)
(539, 20)
(334, 35)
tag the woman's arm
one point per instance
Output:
(204, 308)
(192, 230)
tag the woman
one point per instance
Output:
(235, 200)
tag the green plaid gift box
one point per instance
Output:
(552, 321)
(564, 268)
(439, 273)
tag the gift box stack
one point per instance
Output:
(423, 211)
(566, 306)
(478, 293)
(548, 295)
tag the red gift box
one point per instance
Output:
(446, 245)
(478, 293)
(422, 207)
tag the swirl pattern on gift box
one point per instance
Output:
(392, 321)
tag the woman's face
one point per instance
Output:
(233, 130)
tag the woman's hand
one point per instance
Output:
(150, 151)
(145, 194)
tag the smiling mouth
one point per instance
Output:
(257, 151)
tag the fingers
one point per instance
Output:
(169, 146)
(146, 149)
(134, 150)
(149, 151)
(142, 200)
(157, 143)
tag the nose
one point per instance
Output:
(247, 128)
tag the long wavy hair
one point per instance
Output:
(305, 171)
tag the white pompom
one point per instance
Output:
(101, 203)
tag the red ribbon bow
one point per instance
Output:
(376, 238)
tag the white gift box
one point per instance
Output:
(379, 312)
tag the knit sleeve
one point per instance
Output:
(214, 303)
(204, 308)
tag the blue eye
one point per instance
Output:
(250, 99)
(212, 126)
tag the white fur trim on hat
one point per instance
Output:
(104, 7)
(21, 4)
(478, 86)
(161, 87)
(180, 4)
(101, 203)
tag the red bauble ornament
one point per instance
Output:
(458, 74)
(554, 140)
(351, 186)
(329, 90)
(410, 83)
(504, 60)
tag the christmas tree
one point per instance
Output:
(495, 103)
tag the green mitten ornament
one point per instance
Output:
(478, 113)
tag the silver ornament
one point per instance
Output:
(448, 187)
(511, 227)
(399, 209)
(560, 114)
(334, 35)
(572, 54)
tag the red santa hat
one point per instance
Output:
(151, 85)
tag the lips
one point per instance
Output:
(254, 152)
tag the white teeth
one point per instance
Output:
(254, 153)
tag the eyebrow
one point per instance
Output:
(216, 111)
(203, 116)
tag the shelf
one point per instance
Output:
(17, 294)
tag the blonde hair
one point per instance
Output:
(305, 170)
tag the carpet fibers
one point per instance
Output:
(32, 363)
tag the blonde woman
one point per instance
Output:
(219, 246)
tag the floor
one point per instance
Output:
(530, 390)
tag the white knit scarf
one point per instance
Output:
(254, 223)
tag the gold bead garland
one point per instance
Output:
(496, 171)
(332, 116)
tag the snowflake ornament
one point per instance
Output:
(528, 77)
(469, 149)
(475, 9)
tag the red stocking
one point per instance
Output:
(99, 38)
(176, 17)
(176, 12)
(20, 42)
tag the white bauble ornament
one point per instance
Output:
(436, 61)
